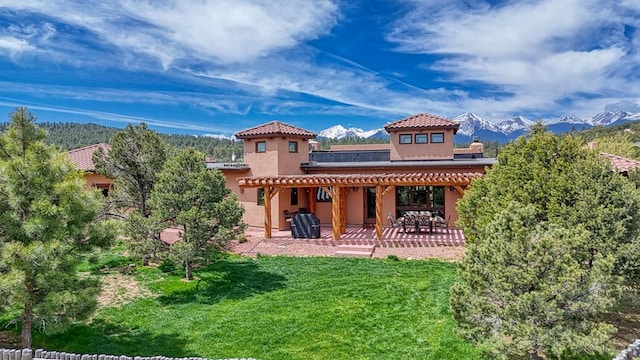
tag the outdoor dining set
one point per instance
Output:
(419, 220)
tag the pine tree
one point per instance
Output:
(48, 221)
(195, 200)
(531, 289)
(134, 161)
(548, 231)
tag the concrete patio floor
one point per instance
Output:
(441, 245)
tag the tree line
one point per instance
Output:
(68, 136)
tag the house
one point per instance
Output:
(285, 172)
(83, 159)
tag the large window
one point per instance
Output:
(293, 146)
(405, 138)
(261, 146)
(420, 198)
(421, 138)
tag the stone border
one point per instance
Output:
(40, 354)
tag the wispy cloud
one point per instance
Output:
(224, 31)
(247, 56)
(538, 52)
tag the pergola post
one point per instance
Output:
(267, 212)
(343, 210)
(379, 195)
(312, 199)
(336, 214)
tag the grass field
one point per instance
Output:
(282, 308)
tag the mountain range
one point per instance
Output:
(472, 126)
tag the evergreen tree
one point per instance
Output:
(195, 200)
(47, 222)
(566, 184)
(550, 231)
(134, 161)
(533, 289)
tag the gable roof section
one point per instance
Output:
(620, 163)
(83, 157)
(423, 121)
(275, 128)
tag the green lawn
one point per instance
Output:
(282, 308)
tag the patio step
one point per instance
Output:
(355, 250)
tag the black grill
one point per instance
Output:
(305, 226)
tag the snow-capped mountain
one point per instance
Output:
(472, 125)
(339, 132)
(608, 117)
(569, 119)
(568, 123)
(516, 123)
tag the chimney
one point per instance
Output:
(476, 147)
(314, 145)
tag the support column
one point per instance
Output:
(312, 199)
(267, 212)
(379, 216)
(336, 216)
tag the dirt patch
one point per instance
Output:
(627, 320)
(119, 289)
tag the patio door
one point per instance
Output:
(369, 205)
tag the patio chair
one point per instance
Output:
(288, 217)
(393, 221)
(442, 223)
(410, 220)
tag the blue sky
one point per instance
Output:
(220, 66)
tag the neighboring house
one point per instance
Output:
(284, 171)
(622, 164)
(83, 158)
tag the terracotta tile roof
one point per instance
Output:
(620, 163)
(83, 157)
(423, 121)
(275, 128)
(400, 179)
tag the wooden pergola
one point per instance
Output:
(336, 185)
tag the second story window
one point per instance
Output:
(293, 146)
(261, 146)
(405, 138)
(421, 138)
(437, 137)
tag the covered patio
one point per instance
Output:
(337, 185)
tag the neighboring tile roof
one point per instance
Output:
(83, 157)
(422, 121)
(275, 128)
(620, 163)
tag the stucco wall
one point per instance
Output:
(96, 180)
(277, 160)
(428, 151)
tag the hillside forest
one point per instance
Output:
(68, 136)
